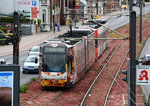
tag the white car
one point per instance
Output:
(31, 64)
(35, 50)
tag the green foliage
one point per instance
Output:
(2, 42)
(23, 89)
(34, 22)
(3, 29)
(39, 22)
(33, 79)
(6, 19)
(25, 20)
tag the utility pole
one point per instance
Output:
(16, 38)
(140, 20)
(54, 15)
(132, 43)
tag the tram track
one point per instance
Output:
(100, 73)
(57, 95)
(108, 93)
(32, 98)
(44, 94)
(115, 77)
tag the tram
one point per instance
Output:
(65, 59)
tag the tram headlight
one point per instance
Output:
(25, 66)
(44, 77)
(36, 67)
(63, 77)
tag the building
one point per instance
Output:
(57, 12)
(45, 15)
(99, 7)
(52, 13)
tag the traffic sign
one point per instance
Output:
(34, 3)
(33, 12)
(77, 6)
(143, 75)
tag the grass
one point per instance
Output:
(23, 89)
(33, 79)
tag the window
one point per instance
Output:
(44, 16)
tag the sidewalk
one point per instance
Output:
(29, 41)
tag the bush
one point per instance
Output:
(23, 89)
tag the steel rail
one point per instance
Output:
(106, 99)
(32, 98)
(52, 100)
(104, 67)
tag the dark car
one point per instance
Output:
(146, 60)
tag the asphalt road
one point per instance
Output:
(114, 22)
(146, 50)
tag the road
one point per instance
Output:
(146, 50)
(114, 22)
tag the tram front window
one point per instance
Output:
(54, 63)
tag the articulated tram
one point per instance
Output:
(65, 61)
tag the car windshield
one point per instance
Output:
(31, 59)
(35, 49)
(54, 62)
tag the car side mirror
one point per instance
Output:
(36, 60)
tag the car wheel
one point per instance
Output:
(24, 72)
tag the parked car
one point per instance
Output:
(35, 50)
(31, 64)
(5, 39)
(146, 59)
(2, 61)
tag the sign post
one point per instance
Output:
(9, 85)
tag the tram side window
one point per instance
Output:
(70, 59)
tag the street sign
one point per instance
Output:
(34, 3)
(77, 4)
(33, 12)
(143, 75)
